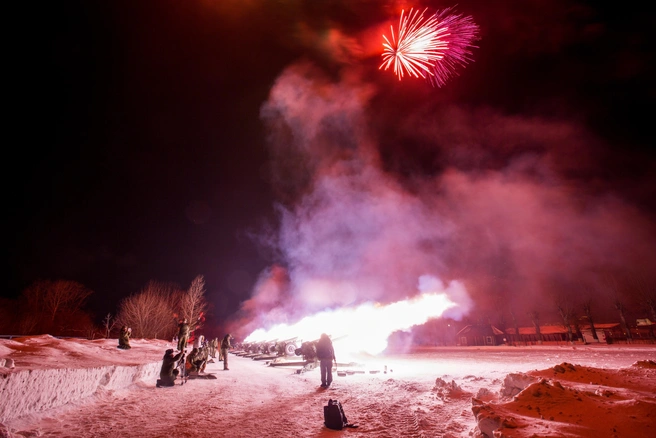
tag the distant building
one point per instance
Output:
(473, 335)
(605, 333)
(549, 334)
(480, 335)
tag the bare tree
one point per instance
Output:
(566, 313)
(587, 309)
(515, 325)
(193, 304)
(614, 287)
(149, 312)
(619, 305)
(108, 323)
(64, 294)
(535, 318)
(53, 306)
(28, 323)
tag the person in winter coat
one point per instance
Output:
(183, 334)
(326, 356)
(192, 362)
(225, 346)
(184, 329)
(124, 338)
(169, 370)
(213, 344)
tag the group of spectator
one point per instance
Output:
(197, 359)
(203, 350)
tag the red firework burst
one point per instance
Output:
(433, 48)
(416, 48)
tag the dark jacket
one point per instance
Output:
(225, 343)
(183, 330)
(124, 338)
(169, 363)
(325, 348)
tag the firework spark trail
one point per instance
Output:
(417, 47)
(460, 32)
(432, 48)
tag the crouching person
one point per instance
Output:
(195, 362)
(169, 371)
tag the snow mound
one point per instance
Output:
(514, 383)
(645, 364)
(447, 389)
(558, 401)
(30, 391)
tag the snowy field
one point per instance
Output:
(80, 388)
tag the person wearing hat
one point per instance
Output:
(225, 346)
(169, 371)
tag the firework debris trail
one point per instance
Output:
(432, 48)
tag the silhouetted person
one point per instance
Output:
(169, 371)
(225, 346)
(326, 356)
(184, 329)
(213, 344)
(124, 338)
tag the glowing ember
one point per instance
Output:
(364, 328)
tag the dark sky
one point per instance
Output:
(257, 143)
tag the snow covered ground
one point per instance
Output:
(81, 388)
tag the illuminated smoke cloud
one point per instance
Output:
(348, 233)
(365, 328)
(517, 208)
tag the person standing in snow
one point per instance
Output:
(225, 346)
(124, 338)
(326, 356)
(213, 344)
(183, 334)
(184, 329)
(169, 370)
(199, 341)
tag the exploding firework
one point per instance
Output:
(433, 48)
(415, 48)
(460, 32)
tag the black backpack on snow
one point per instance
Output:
(334, 416)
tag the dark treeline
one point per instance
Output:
(58, 308)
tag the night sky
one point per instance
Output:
(257, 143)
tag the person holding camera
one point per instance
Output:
(124, 338)
(169, 371)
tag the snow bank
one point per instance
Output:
(572, 400)
(31, 391)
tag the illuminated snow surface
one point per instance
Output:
(81, 388)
